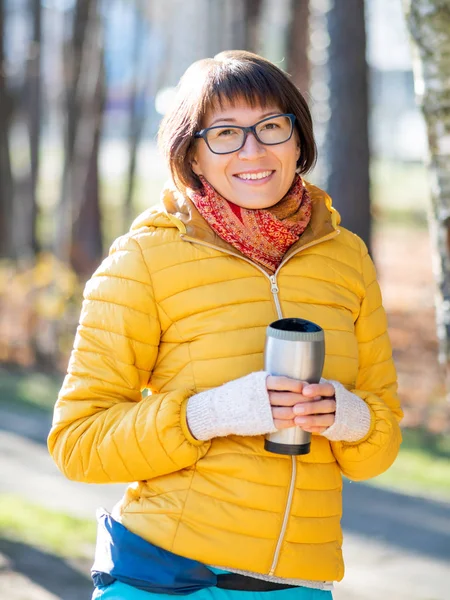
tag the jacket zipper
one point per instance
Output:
(287, 512)
(272, 278)
(275, 290)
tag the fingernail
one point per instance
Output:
(299, 409)
(300, 420)
(306, 389)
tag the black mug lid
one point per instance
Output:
(295, 329)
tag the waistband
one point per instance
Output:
(234, 581)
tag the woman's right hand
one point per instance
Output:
(288, 403)
(284, 393)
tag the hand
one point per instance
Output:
(310, 406)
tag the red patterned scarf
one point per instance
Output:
(263, 235)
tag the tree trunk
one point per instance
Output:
(215, 18)
(136, 119)
(25, 200)
(347, 135)
(34, 78)
(6, 183)
(72, 62)
(252, 16)
(298, 45)
(78, 240)
(429, 25)
(87, 246)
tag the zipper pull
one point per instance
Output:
(273, 284)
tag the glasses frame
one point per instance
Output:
(251, 129)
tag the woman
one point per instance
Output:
(181, 307)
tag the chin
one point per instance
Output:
(263, 205)
(256, 205)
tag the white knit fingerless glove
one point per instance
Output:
(239, 407)
(352, 421)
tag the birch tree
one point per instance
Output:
(429, 26)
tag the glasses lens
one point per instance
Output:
(224, 139)
(275, 130)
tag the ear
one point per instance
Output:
(297, 145)
(195, 165)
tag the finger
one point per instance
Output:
(283, 413)
(284, 384)
(290, 399)
(281, 424)
(286, 398)
(327, 405)
(318, 389)
(315, 429)
(315, 421)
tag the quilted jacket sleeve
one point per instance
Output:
(377, 385)
(103, 430)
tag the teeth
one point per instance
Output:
(254, 175)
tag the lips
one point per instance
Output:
(254, 176)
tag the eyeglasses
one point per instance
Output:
(225, 139)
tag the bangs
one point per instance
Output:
(228, 86)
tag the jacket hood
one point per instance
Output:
(157, 215)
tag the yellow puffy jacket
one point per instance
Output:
(177, 310)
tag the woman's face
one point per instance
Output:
(229, 173)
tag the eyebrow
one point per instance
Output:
(231, 120)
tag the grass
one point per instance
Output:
(24, 388)
(402, 187)
(40, 527)
(422, 467)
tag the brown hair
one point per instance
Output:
(229, 76)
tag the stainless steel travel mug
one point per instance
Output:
(294, 348)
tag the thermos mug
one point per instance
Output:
(294, 348)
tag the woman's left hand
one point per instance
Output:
(316, 410)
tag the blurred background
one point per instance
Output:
(83, 86)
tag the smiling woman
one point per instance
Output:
(181, 307)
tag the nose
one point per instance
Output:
(252, 148)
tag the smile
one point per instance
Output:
(254, 176)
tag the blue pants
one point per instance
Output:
(121, 591)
